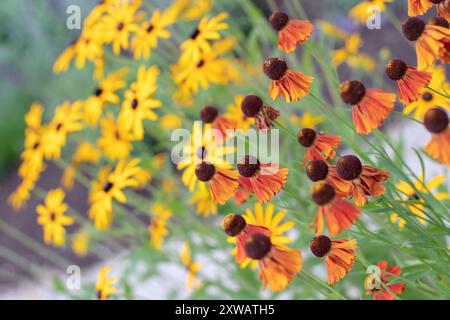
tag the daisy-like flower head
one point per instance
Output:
(385, 290)
(264, 180)
(262, 220)
(105, 284)
(429, 99)
(410, 81)
(339, 255)
(139, 102)
(222, 183)
(118, 23)
(291, 32)
(432, 40)
(158, 224)
(419, 7)
(51, 217)
(234, 112)
(205, 205)
(67, 119)
(339, 214)
(150, 31)
(192, 267)
(104, 94)
(254, 107)
(409, 194)
(436, 122)
(115, 139)
(350, 54)
(204, 145)
(370, 107)
(278, 264)
(198, 42)
(319, 146)
(317, 170)
(353, 179)
(192, 9)
(210, 114)
(109, 186)
(285, 82)
(365, 9)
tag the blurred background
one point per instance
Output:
(32, 35)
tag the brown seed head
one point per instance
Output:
(306, 137)
(413, 28)
(278, 20)
(275, 68)
(395, 69)
(349, 167)
(322, 193)
(209, 114)
(205, 171)
(248, 166)
(317, 170)
(257, 246)
(320, 246)
(233, 224)
(251, 105)
(352, 91)
(436, 120)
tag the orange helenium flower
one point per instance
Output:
(350, 178)
(339, 214)
(319, 146)
(285, 82)
(410, 81)
(211, 115)
(436, 122)
(235, 226)
(263, 180)
(385, 291)
(291, 32)
(222, 182)
(339, 256)
(370, 106)
(432, 40)
(278, 264)
(418, 7)
(443, 9)
(253, 107)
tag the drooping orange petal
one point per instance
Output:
(411, 84)
(439, 147)
(223, 185)
(322, 148)
(293, 86)
(418, 7)
(339, 261)
(295, 32)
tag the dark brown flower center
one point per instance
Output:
(107, 186)
(194, 34)
(436, 1)
(208, 114)
(320, 246)
(322, 193)
(438, 21)
(395, 69)
(251, 105)
(150, 28)
(278, 20)
(120, 26)
(59, 126)
(248, 166)
(201, 63)
(98, 92)
(436, 120)
(349, 167)
(317, 170)
(413, 28)
(306, 137)
(36, 145)
(52, 217)
(134, 104)
(205, 171)
(352, 91)
(275, 68)
(233, 224)
(427, 96)
(414, 196)
(257, 246)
